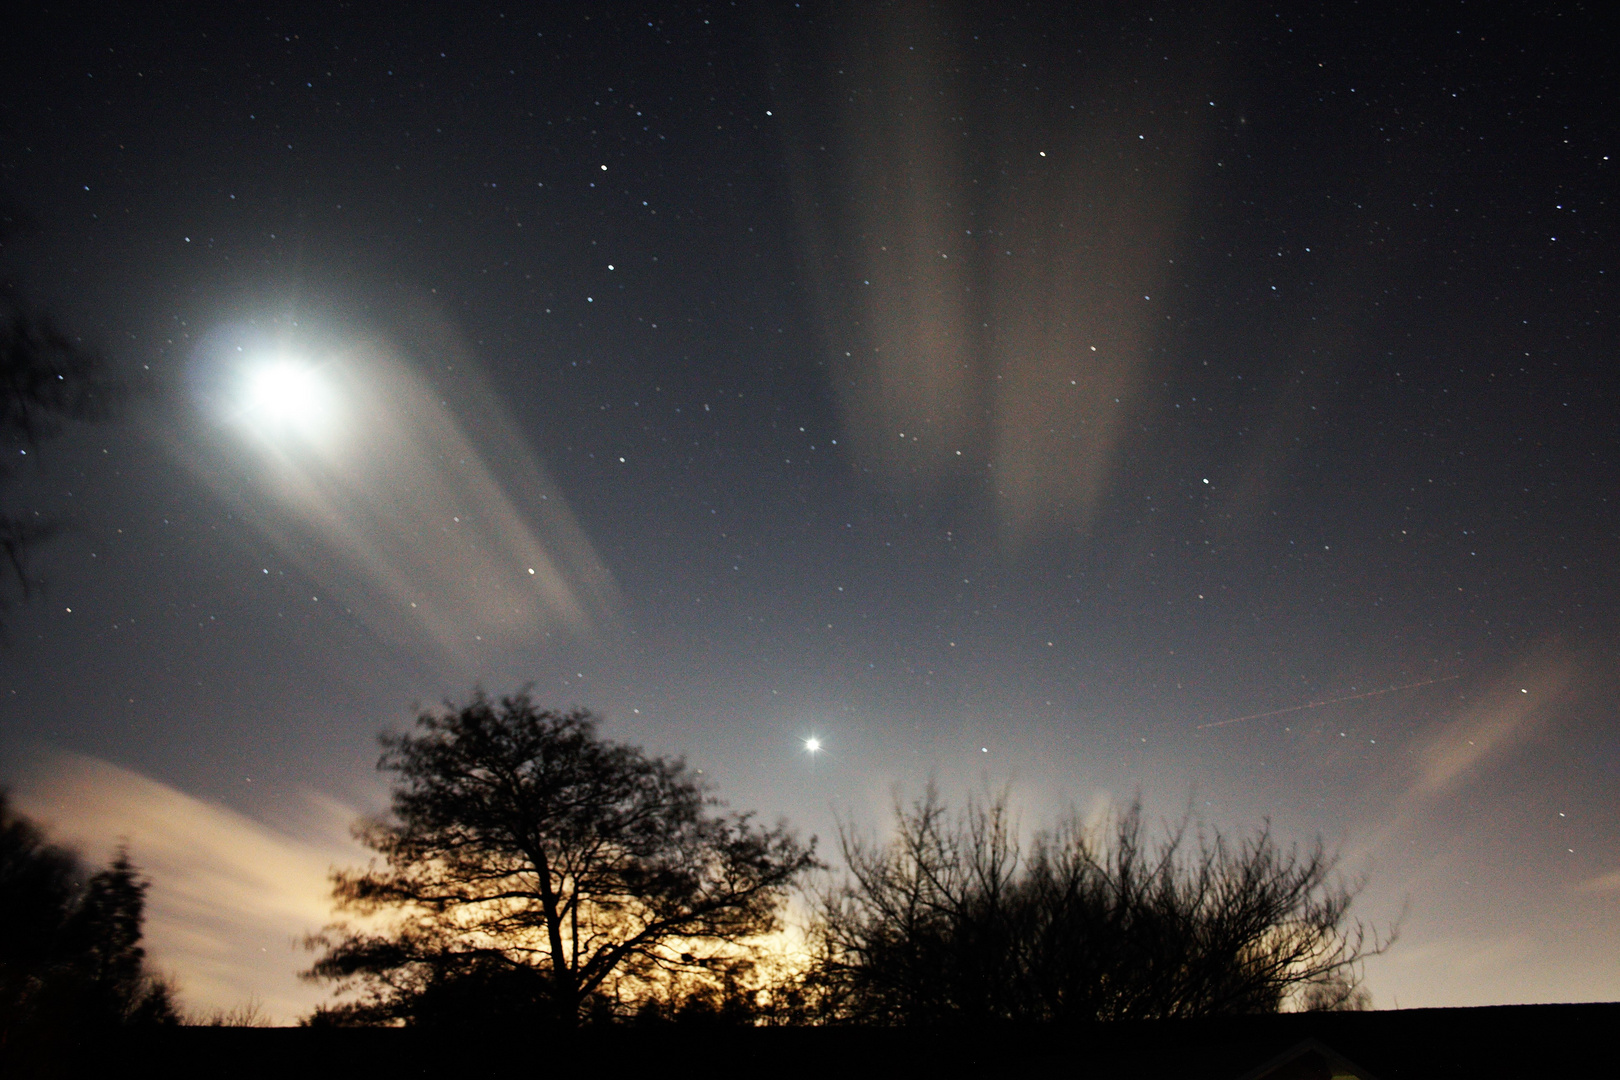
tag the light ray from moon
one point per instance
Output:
(417, 502)
(1328, 701)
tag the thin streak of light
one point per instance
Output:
(1329, 701)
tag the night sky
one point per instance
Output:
(995, 394)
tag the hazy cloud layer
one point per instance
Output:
(230, 897)
(1492, 969)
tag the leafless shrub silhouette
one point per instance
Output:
(953, 920)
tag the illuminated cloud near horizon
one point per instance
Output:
(991, 305)
(230, 897)
(1499, 722)
(1465, 954)
(415, 501)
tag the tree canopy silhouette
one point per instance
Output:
(535, 872)
(47, 378)
(952, 921)
(71, 959)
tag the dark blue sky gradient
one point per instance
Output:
(1366, 437)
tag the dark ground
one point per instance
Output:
(1513, 1040)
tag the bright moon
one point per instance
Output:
(286, 392)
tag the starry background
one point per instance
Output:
(1000, 397)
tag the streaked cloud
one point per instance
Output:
(1603, 883)
(991, 283)
(414, 500)
(230, 896)
(1499, 721)
(1490, 727)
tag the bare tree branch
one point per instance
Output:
(951, 921)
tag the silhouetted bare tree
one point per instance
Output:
(537, 872)
(952, 921)
(47, 378)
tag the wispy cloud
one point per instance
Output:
(1502, 718)
(230, 896)
(991, 305)
(1488, 727)
(1603, 883)
(416, 502)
